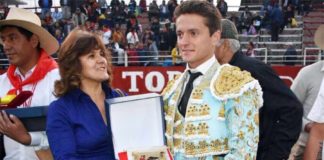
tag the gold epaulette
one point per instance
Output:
(170, 84)
(230, 80)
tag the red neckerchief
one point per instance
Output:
(105, 29)
(44, 65)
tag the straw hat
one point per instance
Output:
(31, 22)
(319, 37)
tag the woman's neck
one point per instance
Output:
(94, 90)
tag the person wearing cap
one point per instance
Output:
(290, 56)
(28, 47)
(280, 115)
(307, 90)
(211, 110)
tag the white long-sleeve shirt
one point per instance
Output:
(132, 38)
(316, 114)
(42, 96)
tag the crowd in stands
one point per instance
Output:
(119, 26)
(272, 16)
(121, 31)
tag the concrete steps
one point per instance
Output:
(311, 22)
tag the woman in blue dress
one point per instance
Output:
(78, 122)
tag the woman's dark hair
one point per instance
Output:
(77, 44)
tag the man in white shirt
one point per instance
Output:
(106, 34)
(57, 15)
(317, 112)
(132, 37)
(306, 91)
(28, 47)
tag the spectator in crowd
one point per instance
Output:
(142, 53)
(256, 21)
(142, 5)
(77, 123)
(79, 18)
(307, 90)
(172, 4)
(93, 14)
(176, 57)
(155, 27)
(67, 26)
(132, 23)
(222, 7)
(262, 11)
(57, 15)
(147, 35)
(281, 113)
(266, 21)
(87, 26)
(58, 25)
(222, 135)
(78, 4)
(252, 30)
(119, 37)
(289, 15)
(172, 34)
(132, 37)
(114, 4)
(246, 19)
(84, 8)
(164, 11)
(106, 36)
(106, 18)
(154, 10)
(276, 22)
(132, 7)
(66, 8)
(236, 21)
(290, 56)
(47, 23)
(133, 59)
(119, 52)
(164, 38)
(2, 10)
(123, 5)
(102, 4)
(250, 50)
(46, 6)
(28, 47)
(120, 16)
(59, 36)
(98, 30)
(153, 52)
(305, 8)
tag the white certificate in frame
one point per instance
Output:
(137, 122)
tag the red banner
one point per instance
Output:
(138, 80)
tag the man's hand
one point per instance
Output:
(12, 127)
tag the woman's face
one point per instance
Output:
(94, 67)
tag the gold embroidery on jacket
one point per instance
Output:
(230, 80)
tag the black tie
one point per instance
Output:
(187, 92)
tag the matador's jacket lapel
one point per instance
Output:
(221, 119)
